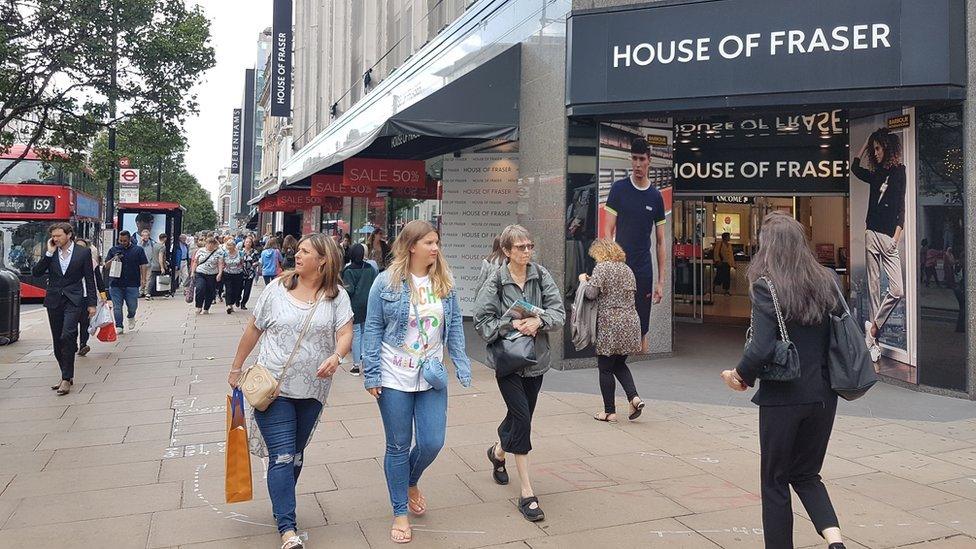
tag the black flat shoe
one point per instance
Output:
(530, 514)
(498, 471)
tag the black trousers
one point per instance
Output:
(248, 283)
(723, 275)
(83, 324)
(520, 395)
(206, 290)
(233, 286)
(614, 366)
(793, 442)
(63, 320)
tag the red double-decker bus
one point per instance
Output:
(33, 195)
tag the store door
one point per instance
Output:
(690, 268)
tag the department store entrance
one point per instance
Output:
(711, 277)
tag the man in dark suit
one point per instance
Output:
(70, 293)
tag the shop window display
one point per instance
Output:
(940, 218)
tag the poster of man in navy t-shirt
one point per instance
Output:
(635, 208)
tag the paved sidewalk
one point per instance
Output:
(133, 458)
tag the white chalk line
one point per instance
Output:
(759, 531)
(230, 515)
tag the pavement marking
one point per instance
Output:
(230, 515)
(421, 529)
(759, 531)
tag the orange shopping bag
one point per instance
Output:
(237, 480)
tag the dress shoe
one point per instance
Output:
(65, 387)
(84, 350)
(56, 387)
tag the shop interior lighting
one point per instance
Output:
(685, 141)
(696, 149)
(824, 146)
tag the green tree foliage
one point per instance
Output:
(144, 141)
(57, 58)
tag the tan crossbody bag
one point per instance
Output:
(260, 388)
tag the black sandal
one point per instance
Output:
(498, 471)
(530, 514)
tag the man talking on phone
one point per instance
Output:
(70, 293)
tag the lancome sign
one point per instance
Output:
(728, 48)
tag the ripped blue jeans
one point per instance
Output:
(286, 426)
(404, 413)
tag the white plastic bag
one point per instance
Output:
(103, 315)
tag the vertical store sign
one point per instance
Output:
(480, 199)
(235, 143)
(281, 66)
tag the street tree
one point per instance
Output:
(58, 58)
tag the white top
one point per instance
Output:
(281, 317)
(400, 367)
(208, 266)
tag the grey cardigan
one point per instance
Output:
(500, 291)
(584, 316)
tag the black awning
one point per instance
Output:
(479, 106)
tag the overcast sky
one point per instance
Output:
(235, 25)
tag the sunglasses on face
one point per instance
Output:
(524, 247)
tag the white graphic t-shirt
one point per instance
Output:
(401, 365)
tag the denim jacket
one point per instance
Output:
(387, 314)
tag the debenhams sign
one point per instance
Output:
(724, 48)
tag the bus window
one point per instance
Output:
(28, 171)
(23, 244)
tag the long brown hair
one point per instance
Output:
(327, 248)
(804, 287)
(890, 143)
(289, 244)
(441, 279)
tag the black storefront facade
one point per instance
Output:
(748, 103)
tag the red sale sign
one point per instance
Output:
(332, 185)
(294, 200)
(376, 172)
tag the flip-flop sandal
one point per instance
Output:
(407, 535)
(605, 417)
(636, 410)
(418, 503)
(498, 471)
(530, 514)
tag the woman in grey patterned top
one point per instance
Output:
(286, 426)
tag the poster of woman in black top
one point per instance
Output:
(881, 184)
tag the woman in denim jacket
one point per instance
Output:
(412, 314)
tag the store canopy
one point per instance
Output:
(480, 105)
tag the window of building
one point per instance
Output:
(941, 223)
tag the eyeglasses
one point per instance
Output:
(524, 247)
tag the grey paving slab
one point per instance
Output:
(78, 506)
(663, 533)
(80, 438)
(129, 532)
(914, 466)
(69, 481)
(339, 536)
(876, 524)
(738, 528)
(895, 491)
(108, 454)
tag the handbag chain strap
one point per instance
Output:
(301, 336)
(779, 314)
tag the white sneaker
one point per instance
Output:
(869, 339)
(200, 311)
(875, 352)
(132, 324)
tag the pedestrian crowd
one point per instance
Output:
(395, 309)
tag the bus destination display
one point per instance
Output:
(27, 204)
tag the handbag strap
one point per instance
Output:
(779, 314)
(840, 295)
(301, 336)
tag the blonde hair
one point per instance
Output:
(606, 249)
(441, 278)
(327, 248)
(231, 246)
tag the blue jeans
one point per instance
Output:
(286, 426)
(357, 343)
(401, 411)
(131, 298)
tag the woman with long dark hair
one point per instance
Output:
(358, 277)
(302, 319)
(413, 315)
(491, 261)
(795, 417)
(252, 261)
(289, 247)
(885, 224)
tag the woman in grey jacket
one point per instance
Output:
(519, 278)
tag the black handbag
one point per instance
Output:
(785, 364)
(512, 355)
(849, 360)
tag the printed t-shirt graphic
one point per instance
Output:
(423, 340)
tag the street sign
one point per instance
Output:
(129, 177)
(128, 196)
(125, 163)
